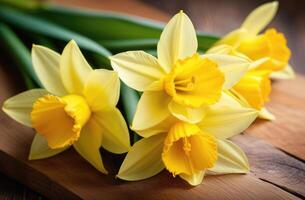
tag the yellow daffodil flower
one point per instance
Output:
(271, 44)
(254, 87)
(180, 81)
(77, 107)
(191, 150)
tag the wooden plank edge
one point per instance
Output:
(35, 180)
(273, 165)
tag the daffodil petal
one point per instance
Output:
(195, 179)
(151, 110)
(233, 38)
(102, 89)
(143, 160)
(41, 150)
(74, 68)
(178, 41)
(137, 69)
(258, 63)
(220, 49)
(162, 127)
(191, 115)
(19, 107)
(265, 114)
(238, 99)
(46, 66)
(115, 131)
(231, 159)
(156, 86)
(233, 67)
(225, 49)
(287, 73)
(260, 17)
(226, 119)
(89, 143)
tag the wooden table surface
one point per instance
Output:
(277, 158)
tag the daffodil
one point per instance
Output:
(271, 44)
(254, 88)
(77, 107)
(191, 150)
(180, 81)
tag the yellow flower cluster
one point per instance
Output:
(191, 103)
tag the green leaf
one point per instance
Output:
(130, 100)
(111, 26)
(46, 28)
(129, 44)
(102, 25)
(28, 4)
(19, 53)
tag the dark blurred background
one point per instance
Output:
(213, 16)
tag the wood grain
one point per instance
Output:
(13, 190)
(273, 165)
(68, 176)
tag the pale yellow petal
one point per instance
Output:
(162, 127)
(143, 160)
(257, 63)
(286, 74)
(178, 41)
(19, 107)
(237, 97)
(102, 89)
(265, 114)
(115, 131)
(233, 67)
(41, 150)
(74, 68)
(89, 143)
(156, 86)
(151, 110)
(231, 159)
(137, 69)
(233, 38)
(195, 179)
(46, 66)
(226, 118)
(220, 49)
(227, 50)
(259, 18)
(187, 114)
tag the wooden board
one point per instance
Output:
(68, 176)
(273, 165)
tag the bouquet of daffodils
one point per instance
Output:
(164, 96)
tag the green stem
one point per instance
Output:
(19, 54)
(29, 83)
(130, 100)
(27, 4)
